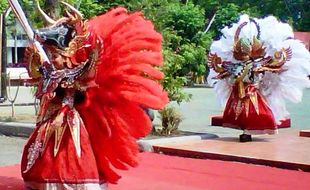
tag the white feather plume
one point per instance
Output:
(275, 87)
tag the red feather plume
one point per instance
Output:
(127, 82)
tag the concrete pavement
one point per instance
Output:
(11, 149)
(23, 114)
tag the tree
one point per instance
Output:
(90, 8)
(173, 82)
(52, 8)
(3, 5)
(187, 20)
(296, 11)
(225, 16)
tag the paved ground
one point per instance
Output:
(22, 113)
(10, 150)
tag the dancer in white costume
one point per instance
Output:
(255, 66)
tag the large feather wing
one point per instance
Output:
(128, 81)
(287, 85)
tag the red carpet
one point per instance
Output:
(160, 172)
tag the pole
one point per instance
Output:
(1, 73)
(3, 57)
(210, 23)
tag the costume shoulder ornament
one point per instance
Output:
(261, 52)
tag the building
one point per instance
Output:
(304, 37)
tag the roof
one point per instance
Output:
(304, 37)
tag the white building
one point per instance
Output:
(18, 58)
(20, 48)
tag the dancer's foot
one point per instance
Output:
(245, 138)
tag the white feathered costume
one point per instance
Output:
(255, 66)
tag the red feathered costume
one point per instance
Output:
(92, 100)
(250, 113)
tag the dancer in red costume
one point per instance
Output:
(92, 93)
(257, 65)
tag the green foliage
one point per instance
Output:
(173, 82)
(187, 20)
(184, 46)
(225, 16)
(3, 5)
(90, 8)
(298, 11)
(32, 13)
(171, 39)
(170, 120)
(203, 39)
(194, 57)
